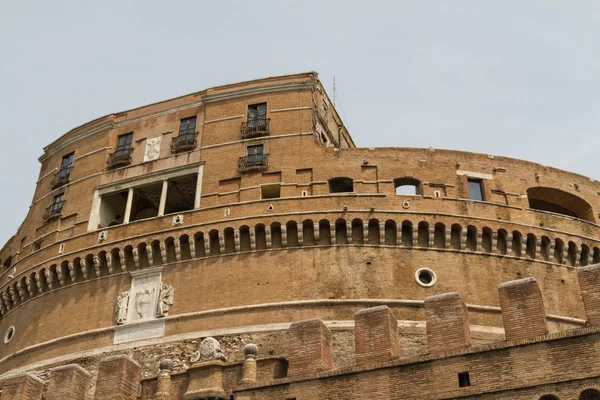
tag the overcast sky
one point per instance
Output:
(512, 78)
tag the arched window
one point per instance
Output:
(560, 202)
(590, 394)
(549, 397)
(341, 185)
(408, 186)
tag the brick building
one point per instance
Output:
(234, 243)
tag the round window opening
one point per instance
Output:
(425, 277)
(10, 333)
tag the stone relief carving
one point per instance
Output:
(143, 303)
(121, 312)
(209, 349)
(103, 235)
(152, 148)
(165, 300)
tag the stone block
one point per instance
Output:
(310, 347)
(448, 326)
(69, 382)
(376, 335)
(522, 309)
(118, 379)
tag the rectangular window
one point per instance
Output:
(124, 143)
(271, 191)
(475, 189)
(66, 165)
(255, 150)
(464, 379)
(257, 112)
(35, 246)
(187, 127)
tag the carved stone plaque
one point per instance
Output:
(152, 148)
(143, 298)
(139, 331)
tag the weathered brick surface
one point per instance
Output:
(118, 379)
(523, 311)
(448, 326)
(23, 387)
(310, 348)
(515, 369)
(589, 282)
(69, 382)
(376, 335)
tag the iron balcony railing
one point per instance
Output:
(61, 177)
(54, 211)
(184, 142)
(256, 128)
(119, 158)
(253, 162)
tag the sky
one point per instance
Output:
(505, 77)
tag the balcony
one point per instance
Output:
(61, 177)
(184, 142)
(253, 162)
(54, 211)
(255, 128)
(119, 158)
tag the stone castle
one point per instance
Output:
(234, 243)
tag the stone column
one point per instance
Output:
(128, 205)
(163, 385)
(163, 198)
(249, 367)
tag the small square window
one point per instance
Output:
(464, 379)
(271, 191)
(475, 189)
(35, 246)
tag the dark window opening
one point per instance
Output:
(122, 155)
(549, 397)
(181, 194)
(271, 191)
(408, 187)
(35, 246)
(66, 164)
(112, 209)
(464, 379)
(590, 394)
(7, 262)
(257, 113)
(425, 277)
(55, 209)
(341, 185)
(146, 201)
(559, 202)
(475, 189)
(256, 150)
(188, 126)
(187, 136)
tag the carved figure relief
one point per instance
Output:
(152, 148)
(165, 300)
(209, 349)
(143, 303)
(121, 312)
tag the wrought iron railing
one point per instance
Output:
(61, 177)
(255, 128)
(119, 158)
(184, 142)
(253, 162)
(54, 211)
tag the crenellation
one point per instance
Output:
(237, 211)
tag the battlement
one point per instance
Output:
(529, 359)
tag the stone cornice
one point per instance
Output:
(60, 144)
(215, 98)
